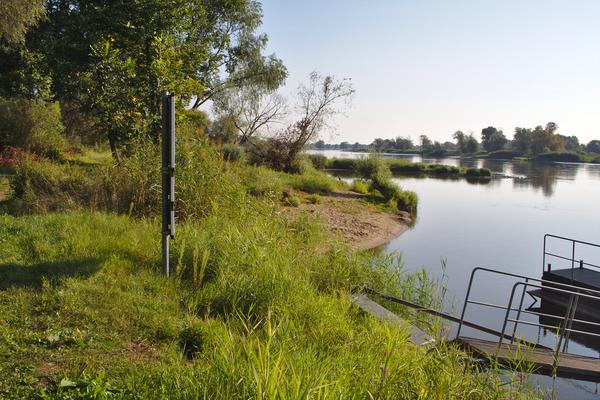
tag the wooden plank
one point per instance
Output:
(417, 336)
(569, 365)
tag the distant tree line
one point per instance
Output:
(525, 142)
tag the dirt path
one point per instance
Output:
(359, 223)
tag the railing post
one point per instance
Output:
(508, 309)
(512, 339)
(462, 315)
(573, 262)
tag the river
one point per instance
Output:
(498, 224)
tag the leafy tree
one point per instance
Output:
(593, 146)
(345, 145)
(426, 144)
(571, 143)
(546, 139)
(522, 140)
(320, 144)
(471, 144)
(492, 139)
(461, 141)
(402, 143)
(17, 16)
(195, 48)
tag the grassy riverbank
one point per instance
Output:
(257, 306)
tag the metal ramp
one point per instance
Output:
(564, 321)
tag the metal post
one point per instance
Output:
(573, 262)
(514, 332)
(168, 176)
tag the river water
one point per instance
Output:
(499, 224)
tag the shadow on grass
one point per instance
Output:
(16, 275)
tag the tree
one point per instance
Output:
(320, 144)
(492, 139)
(471, 144)
(546, 139)
(593, 146)
(317, 103)
(522, 140)
(426, 144)
(250, 109)
(17, 16)
(571, 143)
(194, 48)
(461, 141)
(402, 143)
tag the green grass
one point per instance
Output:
(257, 308)
(401, 167)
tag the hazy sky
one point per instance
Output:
(434, 67)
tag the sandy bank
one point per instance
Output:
(358, 222)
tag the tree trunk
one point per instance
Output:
(113, 148)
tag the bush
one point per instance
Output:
(34, 126)
(558, 157)
(232, 152)
(478, 173)
(342, 164)
(314, 199)
(262, 181)
(291, 200)
(359, 186)
(318, 161)
(407, 201)
(314, 182)
(503, 154)
(132, 187)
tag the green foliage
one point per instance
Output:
(478, 173)
(130, 187)
(32, 125)
(291, 200)
(492, 139)
(314, 182)
(359, 186)
(314, 199)
(318, 161)
(116, 60)
(233, 152)
(377, 171)
(17, 16)
(559, 156)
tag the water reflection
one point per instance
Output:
(525, 175)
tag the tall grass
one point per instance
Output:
(86, 310)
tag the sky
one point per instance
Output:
(435, 67)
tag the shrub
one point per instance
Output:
(318, 161)
(503, 154)
(559, 157)
(314, 199)
(232, 152)
(291, 200)
(262, 181)
(407, 201)
(342, 163)
(359, 186)
(478, 173)
(34, 126)
(314, 182)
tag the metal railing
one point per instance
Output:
(573, 295)
(573, 247)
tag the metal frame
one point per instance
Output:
(565, 328)
(574, 243)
